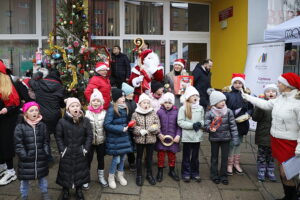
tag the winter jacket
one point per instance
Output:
(32, 148)
(72, 139)
(189, 135)
(226, 132)
(97, 120)
(117, 141)
(202, 81)
(156, 103)
(50, 96)
(168, 126)
(263, 128)
(285, 114)
(234, 102)
(146, 122)
(120, 68)
(131, 105)
(103, 85)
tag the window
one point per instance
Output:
(109, 44)
(47, 17)
(190, 17)
(143, 18)
(173, 52)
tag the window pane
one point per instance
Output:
(19, 54)
(105, 19)
(47, 17)
(173, 52)
(189, 17)
(143, 18)
(193, 52)
(107, 43)
(17, 17)
(158, 46)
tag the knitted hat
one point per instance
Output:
(101, 66)
(144, 97)
(127, 89)
(2, 68)
(290, 79)
(238, 77)
(271, 87)
(155, 85)
(70, 101)
(97, 95)
(28, 105)
(180, 62)
(216, 97)
(189, 91)
(116, 93)
(168, 97)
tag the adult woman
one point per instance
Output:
(9, 104)
(285, 130)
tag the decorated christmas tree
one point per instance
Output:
(73, 57)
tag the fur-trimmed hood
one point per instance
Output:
(229, 89)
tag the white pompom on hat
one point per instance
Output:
(216, 97)
(97, 95)
(168, 97)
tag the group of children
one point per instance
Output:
(108, 132)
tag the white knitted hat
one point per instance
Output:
(144, 97)
(216, 97)
(97, 95)
(271, 87)
(189, 91)
(168, 97)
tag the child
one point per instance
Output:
(118, 142)
(96, 115)
(168, 119)
(145, 131)
(131, 105)
(242, 111)
(32, 148)
(265, 161)
(74, 137)
(220, 135)
(100, 81)
(191, 119)
(157, 90)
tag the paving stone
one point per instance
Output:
(167, 180)
(241, 182)
(6, 197)
(35, 194)
(240, 195)
(157, 193)
(119, 196)
(10, 189)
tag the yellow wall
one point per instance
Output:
(228, 46)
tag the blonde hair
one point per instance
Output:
(188, 109)
(116, 109)
(5, 86)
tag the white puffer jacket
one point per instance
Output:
(97, 120)
(285, 114)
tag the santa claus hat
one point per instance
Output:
(189, 91)
(101, 66)
(2, 68)
(180, 62)
(290, 79)
(97, 95)
(238, 77)
(168, 97)
(144, 54)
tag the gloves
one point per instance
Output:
(297, 151)
(140, 78)
(236, 142)
(143, 132)
(197, 126)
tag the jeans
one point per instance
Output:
(236, 150)
(215, 146)
(100, 150)
(117, 163)
(139, 156)
(24, 187)
(190, 159)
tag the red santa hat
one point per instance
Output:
(2, 68)
(180, 62)
(144, 54)
(238, 77)
(290, 79)
(101, 66)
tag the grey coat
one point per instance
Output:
(226, 132)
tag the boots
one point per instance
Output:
(261, 172)
(236, 164)
(139, 181)
(111, 181)
(120, 178)
(289, 193)
(230, 166)
(79, 194)
(150, 178)
(65, 194)
(45, 196)
(101, 178)
(270, 172)
(159, 176)
(173, 174)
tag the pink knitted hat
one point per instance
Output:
(71, 100)
(26, 106)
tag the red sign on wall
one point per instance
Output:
(224, 14)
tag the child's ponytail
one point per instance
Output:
(188, 109)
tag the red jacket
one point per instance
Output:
(103, 85)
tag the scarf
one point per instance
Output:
(33, 122)
(122, 106)
(219, 112)
(98, 110)
(196, 105)
(142, 111)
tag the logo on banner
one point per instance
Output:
(292, 33)
(263, 58)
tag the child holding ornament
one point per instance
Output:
(191, 120)
(221, 126)
(100, 81)
(145, 131)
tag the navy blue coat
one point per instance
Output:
(234, 102)
(117, 141)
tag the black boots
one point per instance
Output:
(173, 174)
(139, 181)
(290, 193)
(65, 194)
(160, 173)
(150, 178)
(79, 194)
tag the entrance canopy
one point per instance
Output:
(288, 32)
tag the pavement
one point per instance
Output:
(241, 187)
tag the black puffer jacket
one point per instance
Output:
(72, 138)
(50, 96)
(226, 132)
(120, 69)
(32, 148)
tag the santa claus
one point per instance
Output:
(142, 74)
